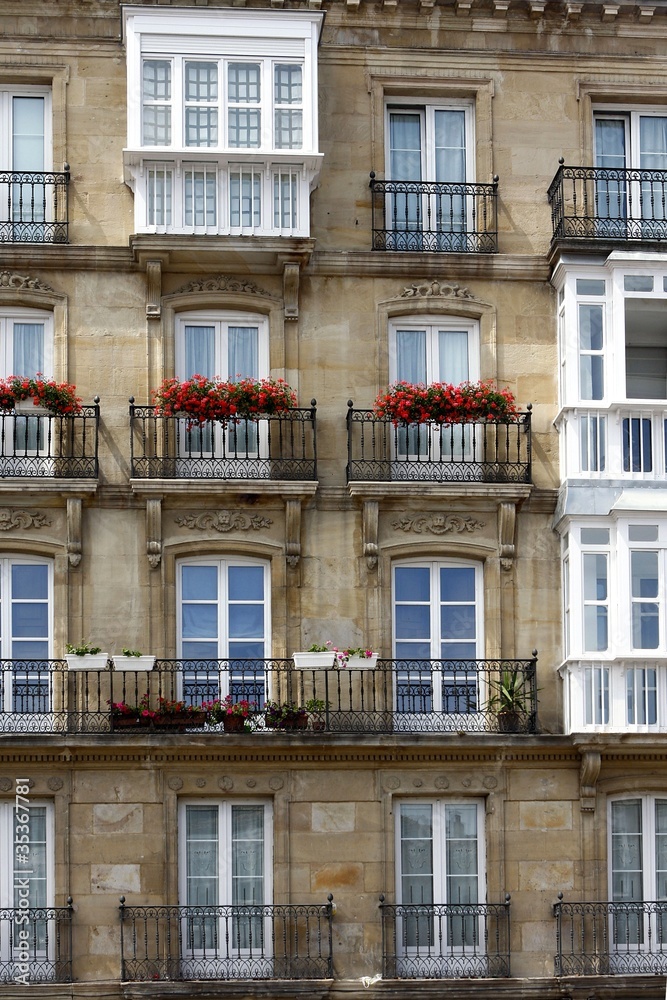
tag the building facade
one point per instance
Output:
(342, 194)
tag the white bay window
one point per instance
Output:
(224, 137)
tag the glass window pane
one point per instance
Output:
(413, 583)
(457, 583)
(457, 622)
(413, 621)
(644, 573)
(200, 583)
(246, 583)
(30, 582)
(30, 620)
(200, 621)
(246, 621)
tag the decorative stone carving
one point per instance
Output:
(223, 283)
(10, 518)
(490, 782)
(276, 784)
(251, 782)
(74, 544)
(292, 532)
(371, 520)
(175, 784)
(589, 773)
(437, 524)
(224, 521)
(55, 784)
(441, 781)
(392, 783)
(153, 288)
(435, 288)
(5, 784)
(200, 782)
(506, 526)
(226, 784)
(22, 282)
(154, 532)
(417, 782)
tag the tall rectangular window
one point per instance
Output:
(32, 829)
(638, 868)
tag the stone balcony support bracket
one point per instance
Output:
(153, 289)
(292, 532)
(589, 773)
(291, 273)
(154, 531)
(371, 521)
(74, 546)
(506, 532)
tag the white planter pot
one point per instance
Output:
(91, 661)
(362, 662)
(28, 408)
(313, 661)
(136, 663)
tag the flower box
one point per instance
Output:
(135, 663)
(234, 723)
(130, 722)
(179, 720)
(362, 662)
(88, 661)
(26, 407)
(314, 661)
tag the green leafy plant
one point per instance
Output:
(228, 706)
(287, 715)
(342, 655)
(83, 648)
(130, 652)
(316, 705)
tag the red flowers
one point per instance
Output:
(58, 397)
(442, 403)
(205, 399)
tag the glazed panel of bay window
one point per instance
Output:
(638, 868)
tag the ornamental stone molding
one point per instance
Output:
(23, 519)
(6, 784)
(437, 524)
(55, 783)
(589, 772)
(436, 289)
(223, 283)
(224, 521)
(23, 282)
(175, 783)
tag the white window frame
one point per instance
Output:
(11, 674)
(7, 92)
(426, 108)
(433, 677)
(439, 947)
(7, 867)
(222, 320)
(640, 925)
(432, 324)
(10, 315)
(224, 872)
(631, 115)
(240, 680)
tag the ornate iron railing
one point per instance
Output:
(292, 941)
(33, 206)
(434, 217)
(397, 696)
(282, 446)
(445, 940)
(52, 446)
(610, 939)
(36, 944)
(494, 451)
(601, 203)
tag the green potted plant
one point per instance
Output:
(173, 714)
(132, 659)
(235, 715)
(287, 715)
(510, 699)
(316, 709)
(84, 656)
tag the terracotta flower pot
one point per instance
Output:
(233, 723)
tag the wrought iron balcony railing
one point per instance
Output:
(36, 944)
(445, 940)
(603, 203)
(50, 446)
(292, 941)
(33, 206)
(434, 217)
(397, 696)
(610, 938)
(278, 447)
(494, 451)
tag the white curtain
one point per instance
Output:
(243, 352)
(411, 356)
(453, 356)
(200, 351)
(450, 146)
(28, 349)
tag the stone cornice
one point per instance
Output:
(70, 257)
